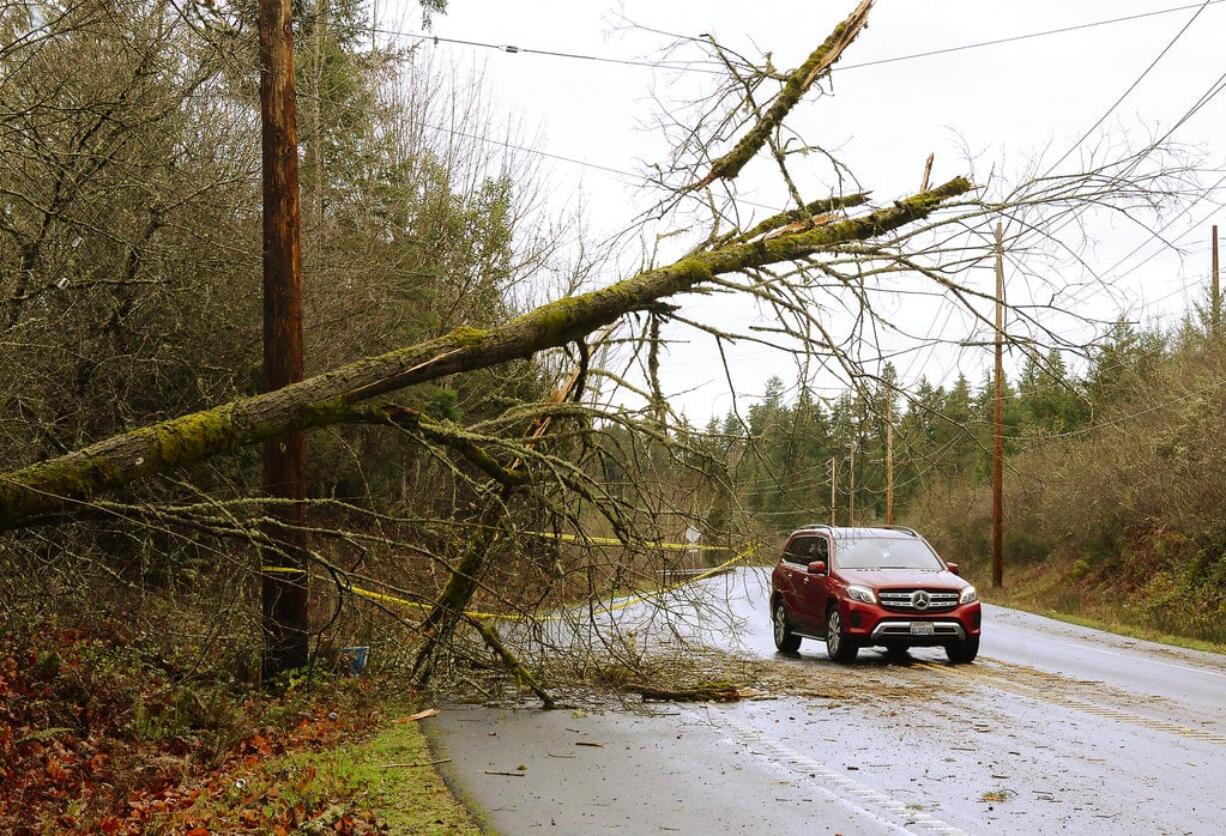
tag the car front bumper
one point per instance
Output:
(871, 624)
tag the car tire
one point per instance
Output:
(840, 647)
(785, 640)
(963, 652)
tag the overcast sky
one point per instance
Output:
(1006, 102)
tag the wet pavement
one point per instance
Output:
(1056, 728)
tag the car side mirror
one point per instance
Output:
(817, 567)
(953, 568)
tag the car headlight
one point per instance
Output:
(968, 595)
(861, 593)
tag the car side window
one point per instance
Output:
(798, 550)
(821, 550)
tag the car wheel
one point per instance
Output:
(960, 653)
(839, 646)
(785, 640)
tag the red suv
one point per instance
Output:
(865, 587)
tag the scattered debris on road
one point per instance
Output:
(421, 715)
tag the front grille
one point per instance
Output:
(918, 600)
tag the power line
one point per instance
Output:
(1026, 37)
(1214, 89)
(1134, 85)
(511, 146)
(549, 53)
(1157, 233)
(1204, 99)
(689, 68)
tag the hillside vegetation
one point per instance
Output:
(1119, 517)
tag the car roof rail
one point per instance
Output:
(811, 526)
(902, 528)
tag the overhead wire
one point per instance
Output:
(1214, 89)
(1136, 83)
(687, 67)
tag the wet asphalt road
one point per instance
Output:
(1055, 729)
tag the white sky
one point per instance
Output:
(1005, 102)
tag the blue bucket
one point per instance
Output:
(355, 658)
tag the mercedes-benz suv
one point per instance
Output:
(871, 587)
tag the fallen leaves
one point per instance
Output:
(93, 740)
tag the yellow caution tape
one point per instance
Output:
(619, 604)
(383, 597)
(613, 541)
(622, 603)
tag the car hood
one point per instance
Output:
(911, 578)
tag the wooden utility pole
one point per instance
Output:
(851, 485)
(998, 421)
(284, 595)
(1215, 304)
(834, 485)
(889, 457)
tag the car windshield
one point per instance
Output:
(885, 553)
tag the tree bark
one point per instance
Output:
(70, 480)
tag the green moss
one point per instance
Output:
(321, 413)
(465, 335)
(75, 476)
(694, 268)
(189, 438)
(438, 402)
(555, 319)
(390, 775)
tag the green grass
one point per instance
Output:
(388, 778)
(1163, 610)
(1130, 630)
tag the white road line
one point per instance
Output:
(794, 761)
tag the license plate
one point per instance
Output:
(921, 628)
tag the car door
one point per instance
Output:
(795, 568)
(812, 590)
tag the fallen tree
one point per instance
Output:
(606, 462)
(65, 482)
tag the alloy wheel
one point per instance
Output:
(834, 629)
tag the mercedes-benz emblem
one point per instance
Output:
(920, 599)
